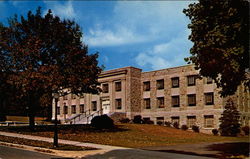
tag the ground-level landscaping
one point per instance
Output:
(42, 144)
(126, 135)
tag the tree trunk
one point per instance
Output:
(2, 109)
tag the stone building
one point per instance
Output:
(173, 94)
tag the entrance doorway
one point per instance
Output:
(105, 106)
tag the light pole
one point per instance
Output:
(55, 144)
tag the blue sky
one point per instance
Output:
(144, 34)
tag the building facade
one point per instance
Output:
(174, 95)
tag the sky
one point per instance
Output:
(150, 35)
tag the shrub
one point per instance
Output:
(215, 131)
(176, 125)
(168, 124)
(230, 125)
(137, 119)
(159, 122)
(124, 120)
(195, 128)
(184, 127)
(102, 122)
(148, 122)
(245, 129)
(2, 117)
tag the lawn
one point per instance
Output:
(126, 135)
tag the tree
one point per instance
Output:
(46, 55)
(220, 33)
(230, 120)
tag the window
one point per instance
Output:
(94, 105)
(65, 109)
(73, 109)
(160, 84)
(118, 86)
(175, 82)
(160, 120)
(209, 98)
(191, 80)
(160, 102)
(58, 110)
(73, 96)
(65, 97)
(191, 120)
(208, 121)
(175, 119)
(81, 108)
(147, 103)
(209, 80)
(118, 103)
(191, 100)
(105, 88)
(175, 101)
(146, 86)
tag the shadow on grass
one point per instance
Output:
(62, 128)
(223, 150)
(231, 149)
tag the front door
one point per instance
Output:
(106, 106)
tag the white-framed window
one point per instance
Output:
(175, 82)
(191, 120)
(209, 98)
(208, 121)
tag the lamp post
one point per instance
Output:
(55, 144)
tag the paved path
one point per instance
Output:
(15, 153)
(106, 152)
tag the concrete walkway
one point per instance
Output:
(105, 151)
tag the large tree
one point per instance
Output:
(220, 33)
(46, 55)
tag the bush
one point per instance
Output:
(215, 131)
(195, 128)
(245, 129)
(148, 122)
(176, 125)
(168, 124)
(184, 127)
(159, 122)
(137, 119)
(124, 120)
(102, 122)
(2, 117)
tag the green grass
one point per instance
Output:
(127, 135)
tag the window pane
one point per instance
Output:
(209, 98)
(160, 84)
(147, 103)
(105, 88)
(118, 86)
(175, 101)
(146, 86)
(160, 102)
(208, 121)
(118, 103)
(175, 82)
(94, 106)
(191, 120)
(191, 100)
(82, 108)
(191, 80)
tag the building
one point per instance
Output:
(173, 94)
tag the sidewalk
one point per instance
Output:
(105, 151)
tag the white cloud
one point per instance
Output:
(64, 10)
(139, 21)
(99, 37)
(168, 54)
